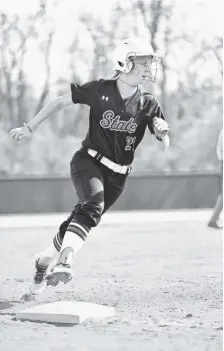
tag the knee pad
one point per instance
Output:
(89, 214)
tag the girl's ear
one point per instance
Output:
(130, 65)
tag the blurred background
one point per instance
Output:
(45, 45)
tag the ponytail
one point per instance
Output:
(115, 76)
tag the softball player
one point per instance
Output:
(120, 112)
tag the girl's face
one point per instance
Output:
(145, 67)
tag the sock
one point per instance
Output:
(73, 241)
(57, 242)
(47, 255)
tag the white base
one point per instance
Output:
(65, 312)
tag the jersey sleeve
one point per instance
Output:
(153, 109)
(83, 94)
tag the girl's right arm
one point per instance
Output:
(49, 110)
(46, 112)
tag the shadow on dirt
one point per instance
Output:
(6, 304)
(6, 307)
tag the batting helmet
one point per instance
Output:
(126, 51)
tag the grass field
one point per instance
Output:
(163, 278)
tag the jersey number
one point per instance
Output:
(130, 143)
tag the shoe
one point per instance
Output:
(39, 283)
(214, 225)
(61, 272)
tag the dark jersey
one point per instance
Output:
(116, 125)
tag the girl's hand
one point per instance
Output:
(21, 133)
(161, 127)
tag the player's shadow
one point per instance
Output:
(7, 304)
(6, 307)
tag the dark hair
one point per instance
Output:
(116, 75)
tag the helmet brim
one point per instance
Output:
(143, 54)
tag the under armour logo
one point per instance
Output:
(105, 98)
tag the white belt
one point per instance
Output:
(108, 163)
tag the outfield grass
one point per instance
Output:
(164, 280)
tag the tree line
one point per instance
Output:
(190, 95)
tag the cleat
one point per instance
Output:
(50, 280)
(39, 283)
(61, 272)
